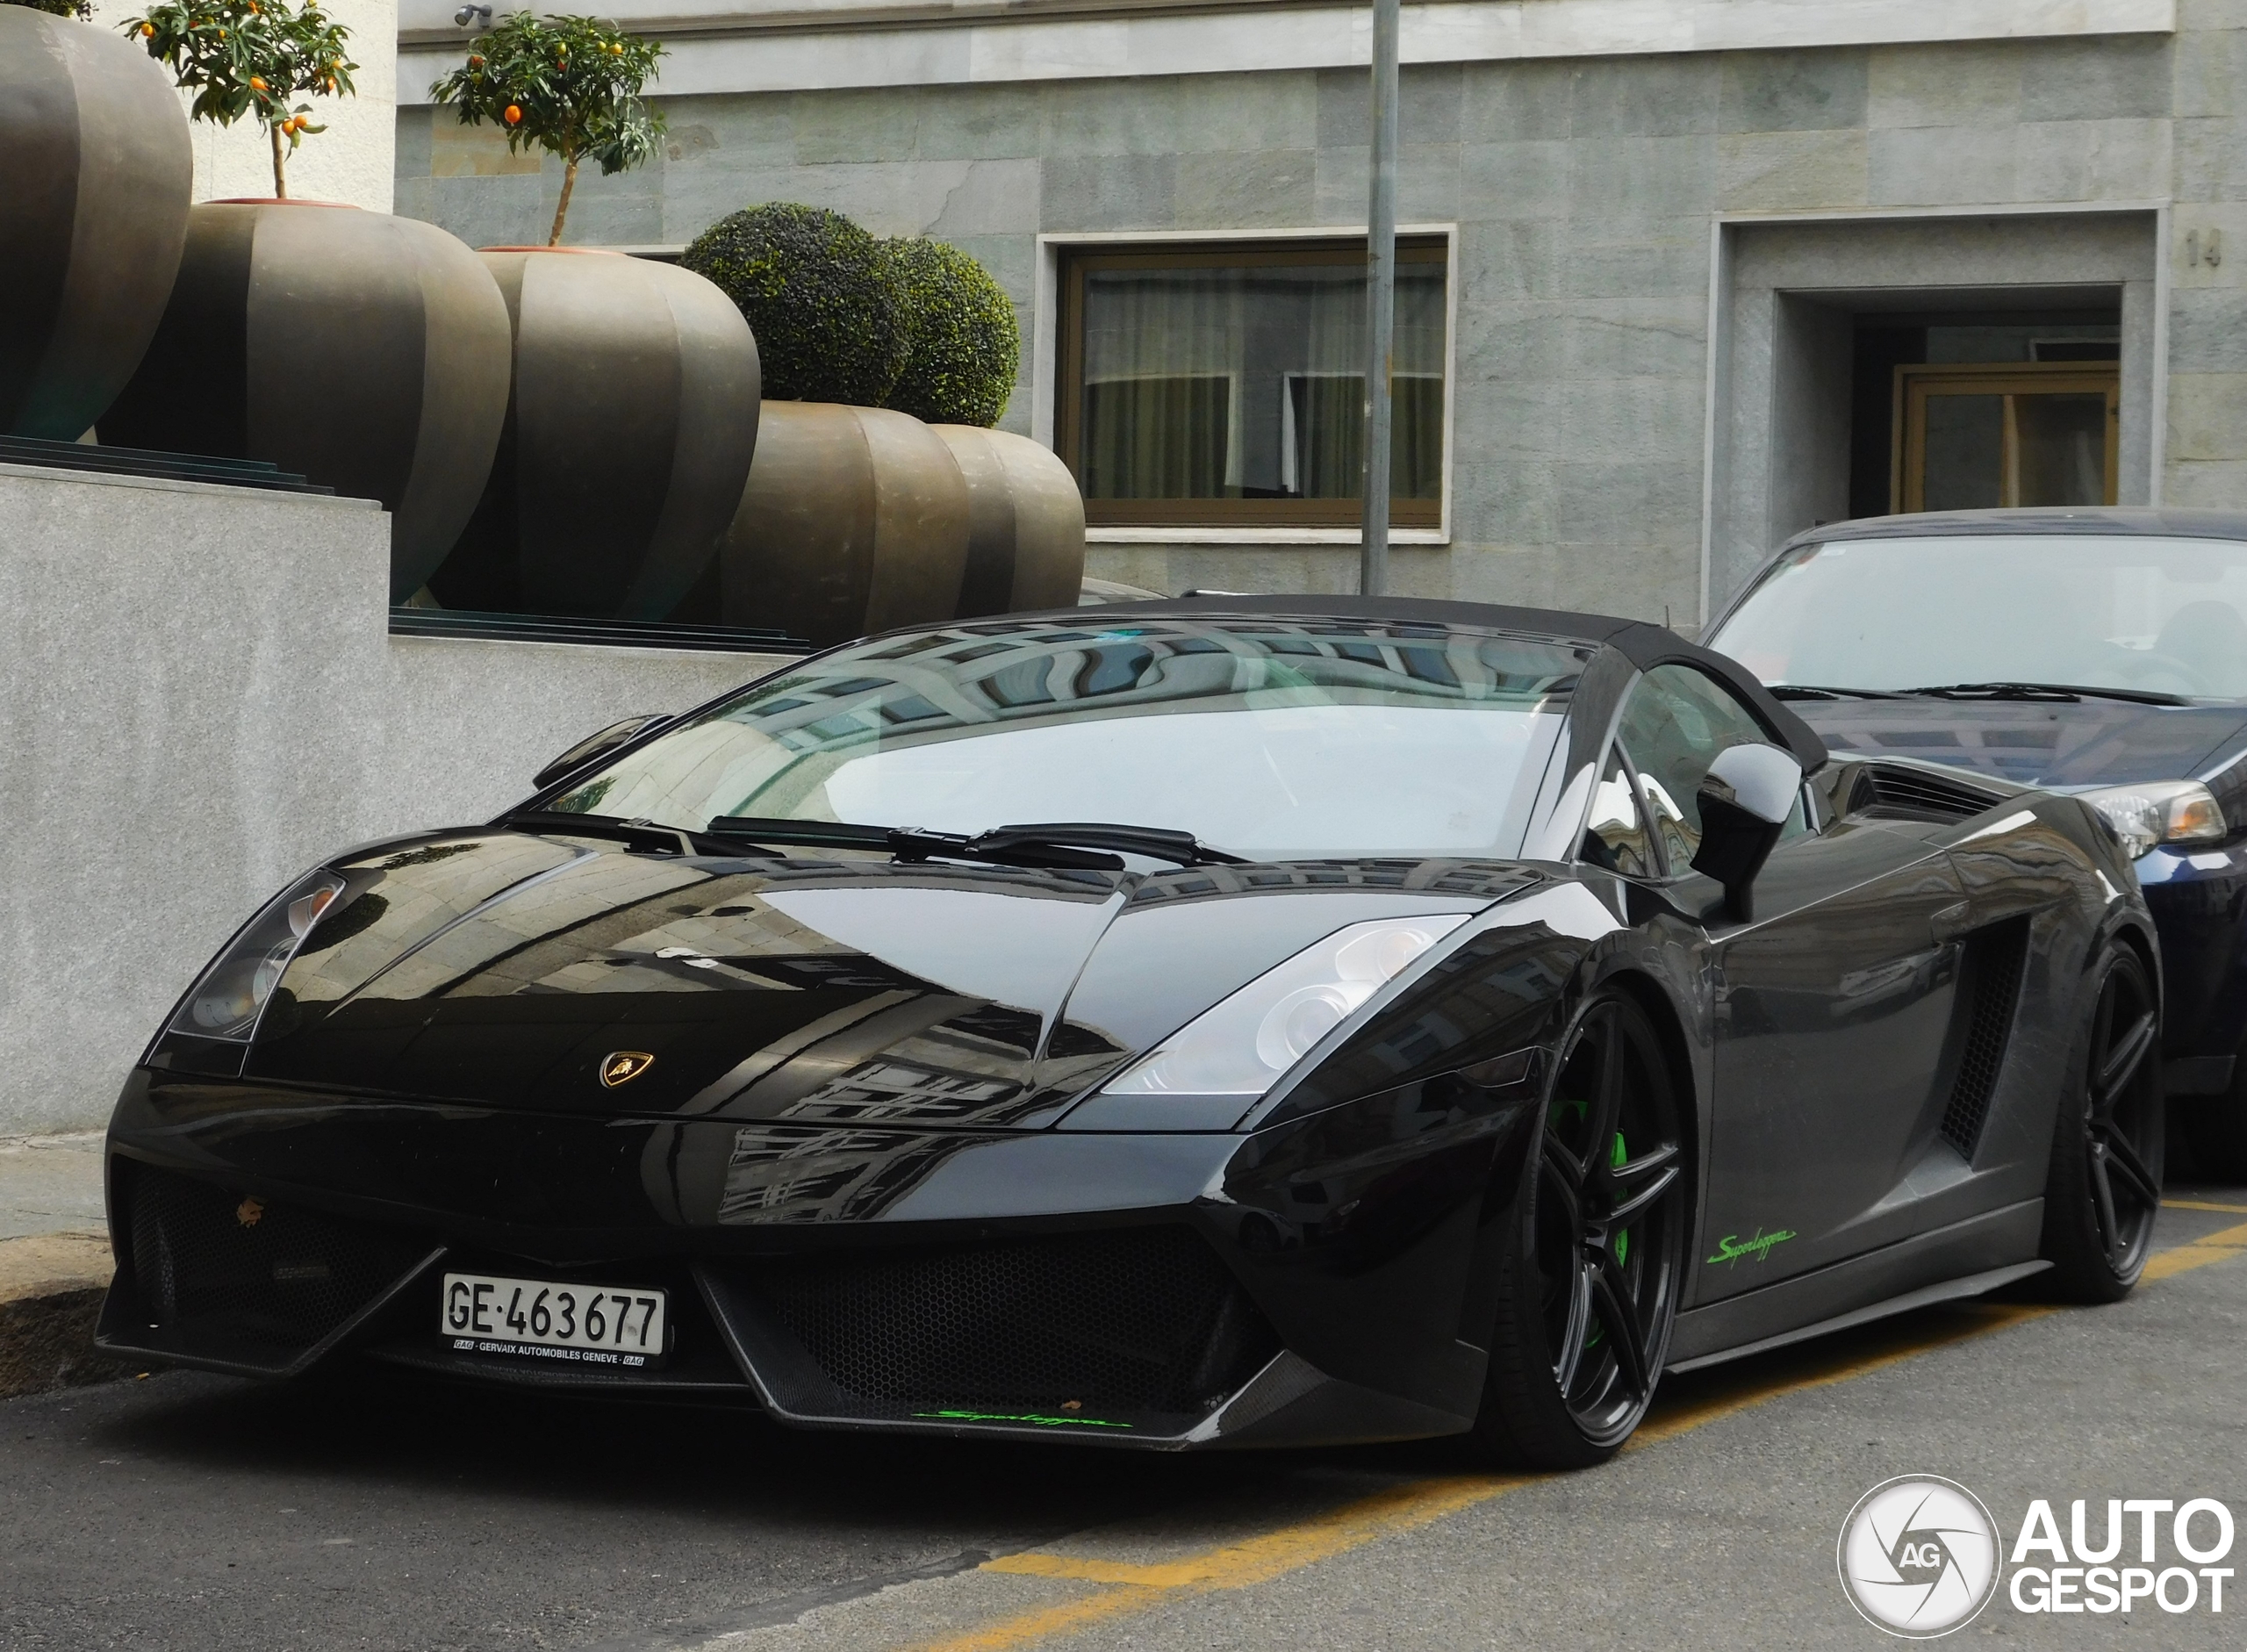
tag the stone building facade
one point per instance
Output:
(1693, 252)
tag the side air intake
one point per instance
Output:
(1989, 990)
(1886, 792)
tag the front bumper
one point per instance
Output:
(2199, 902)
(1170, 1290)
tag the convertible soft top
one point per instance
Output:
(1642, 643)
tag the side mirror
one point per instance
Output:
(594, 747)
(1745, 800)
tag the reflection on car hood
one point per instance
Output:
(2035, 742)
(505, 969)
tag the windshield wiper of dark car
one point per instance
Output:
(1057, 843)
(2059, 693)
(1819, 690)
(643, 835)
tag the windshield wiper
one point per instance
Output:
(1181, 848)
(1819, 690)
(642, 834)
(2059, 693)
(1069, 845)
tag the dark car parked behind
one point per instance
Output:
(2103, 652)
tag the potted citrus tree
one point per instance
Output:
(568, 85)
(251, 58)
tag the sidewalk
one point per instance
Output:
(51, 1184)
(54, 1261)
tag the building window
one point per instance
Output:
(1978, 436)
(1224, 386)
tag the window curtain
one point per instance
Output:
(1248, 382)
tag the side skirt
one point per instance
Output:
(1890, 1280)
(1972, 1285)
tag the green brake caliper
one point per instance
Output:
(1616, 1160)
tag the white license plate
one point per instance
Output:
(575, 1323)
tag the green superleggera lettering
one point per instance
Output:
(1758, 1244)
(1042, 1420)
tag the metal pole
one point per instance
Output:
(1380, 297)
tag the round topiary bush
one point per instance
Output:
(819, 294)
(965, 344)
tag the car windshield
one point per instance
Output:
(2112, 611)
(1267, 738)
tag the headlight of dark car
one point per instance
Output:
(229, 999)
(2159, 812)
(1248, 1042)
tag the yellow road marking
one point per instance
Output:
(1123, 1588)
(2195, 1204)
(2182, 1259)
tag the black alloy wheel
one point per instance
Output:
(1595, 1249)
(2108, 1143)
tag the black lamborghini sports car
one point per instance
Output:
(1231, 1021)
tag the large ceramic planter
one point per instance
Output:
(1026, 523)
(629, 432)
(368, 353)
(855, 519)
(92, 215)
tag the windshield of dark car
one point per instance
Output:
(2112, 611)
(1268, 738)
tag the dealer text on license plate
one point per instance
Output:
(573, 1322)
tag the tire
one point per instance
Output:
(2103, 1190)
(1593, 1252)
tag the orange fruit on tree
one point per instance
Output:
(256, 82)
(515, 113)
(148, 30)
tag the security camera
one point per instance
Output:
(473, 17)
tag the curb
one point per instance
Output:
(51, 1287)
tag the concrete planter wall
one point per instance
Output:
(92, 217)
(368, 352)
(629, 430)
(854, 520)
(1026, 523)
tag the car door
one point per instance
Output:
(1831, 1007)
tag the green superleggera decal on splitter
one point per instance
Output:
(1042, 1420)
(1758, 1244)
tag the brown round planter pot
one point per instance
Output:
(366, 352)
(92, 217)
(630, 431)
(855, 519)
(1026, 523)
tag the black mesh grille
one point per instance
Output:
(1142, 1320)
(1992, 969)
(1912, 794)
(229, 1267)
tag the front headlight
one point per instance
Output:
(1242, 1044)
(232, 992)
(2159, 812)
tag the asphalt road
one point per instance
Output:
(186, 1510)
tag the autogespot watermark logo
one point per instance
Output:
(1920, 1556)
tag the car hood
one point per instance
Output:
(502, 968)
(2036, 742)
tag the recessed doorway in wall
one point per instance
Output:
(1969, 413)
